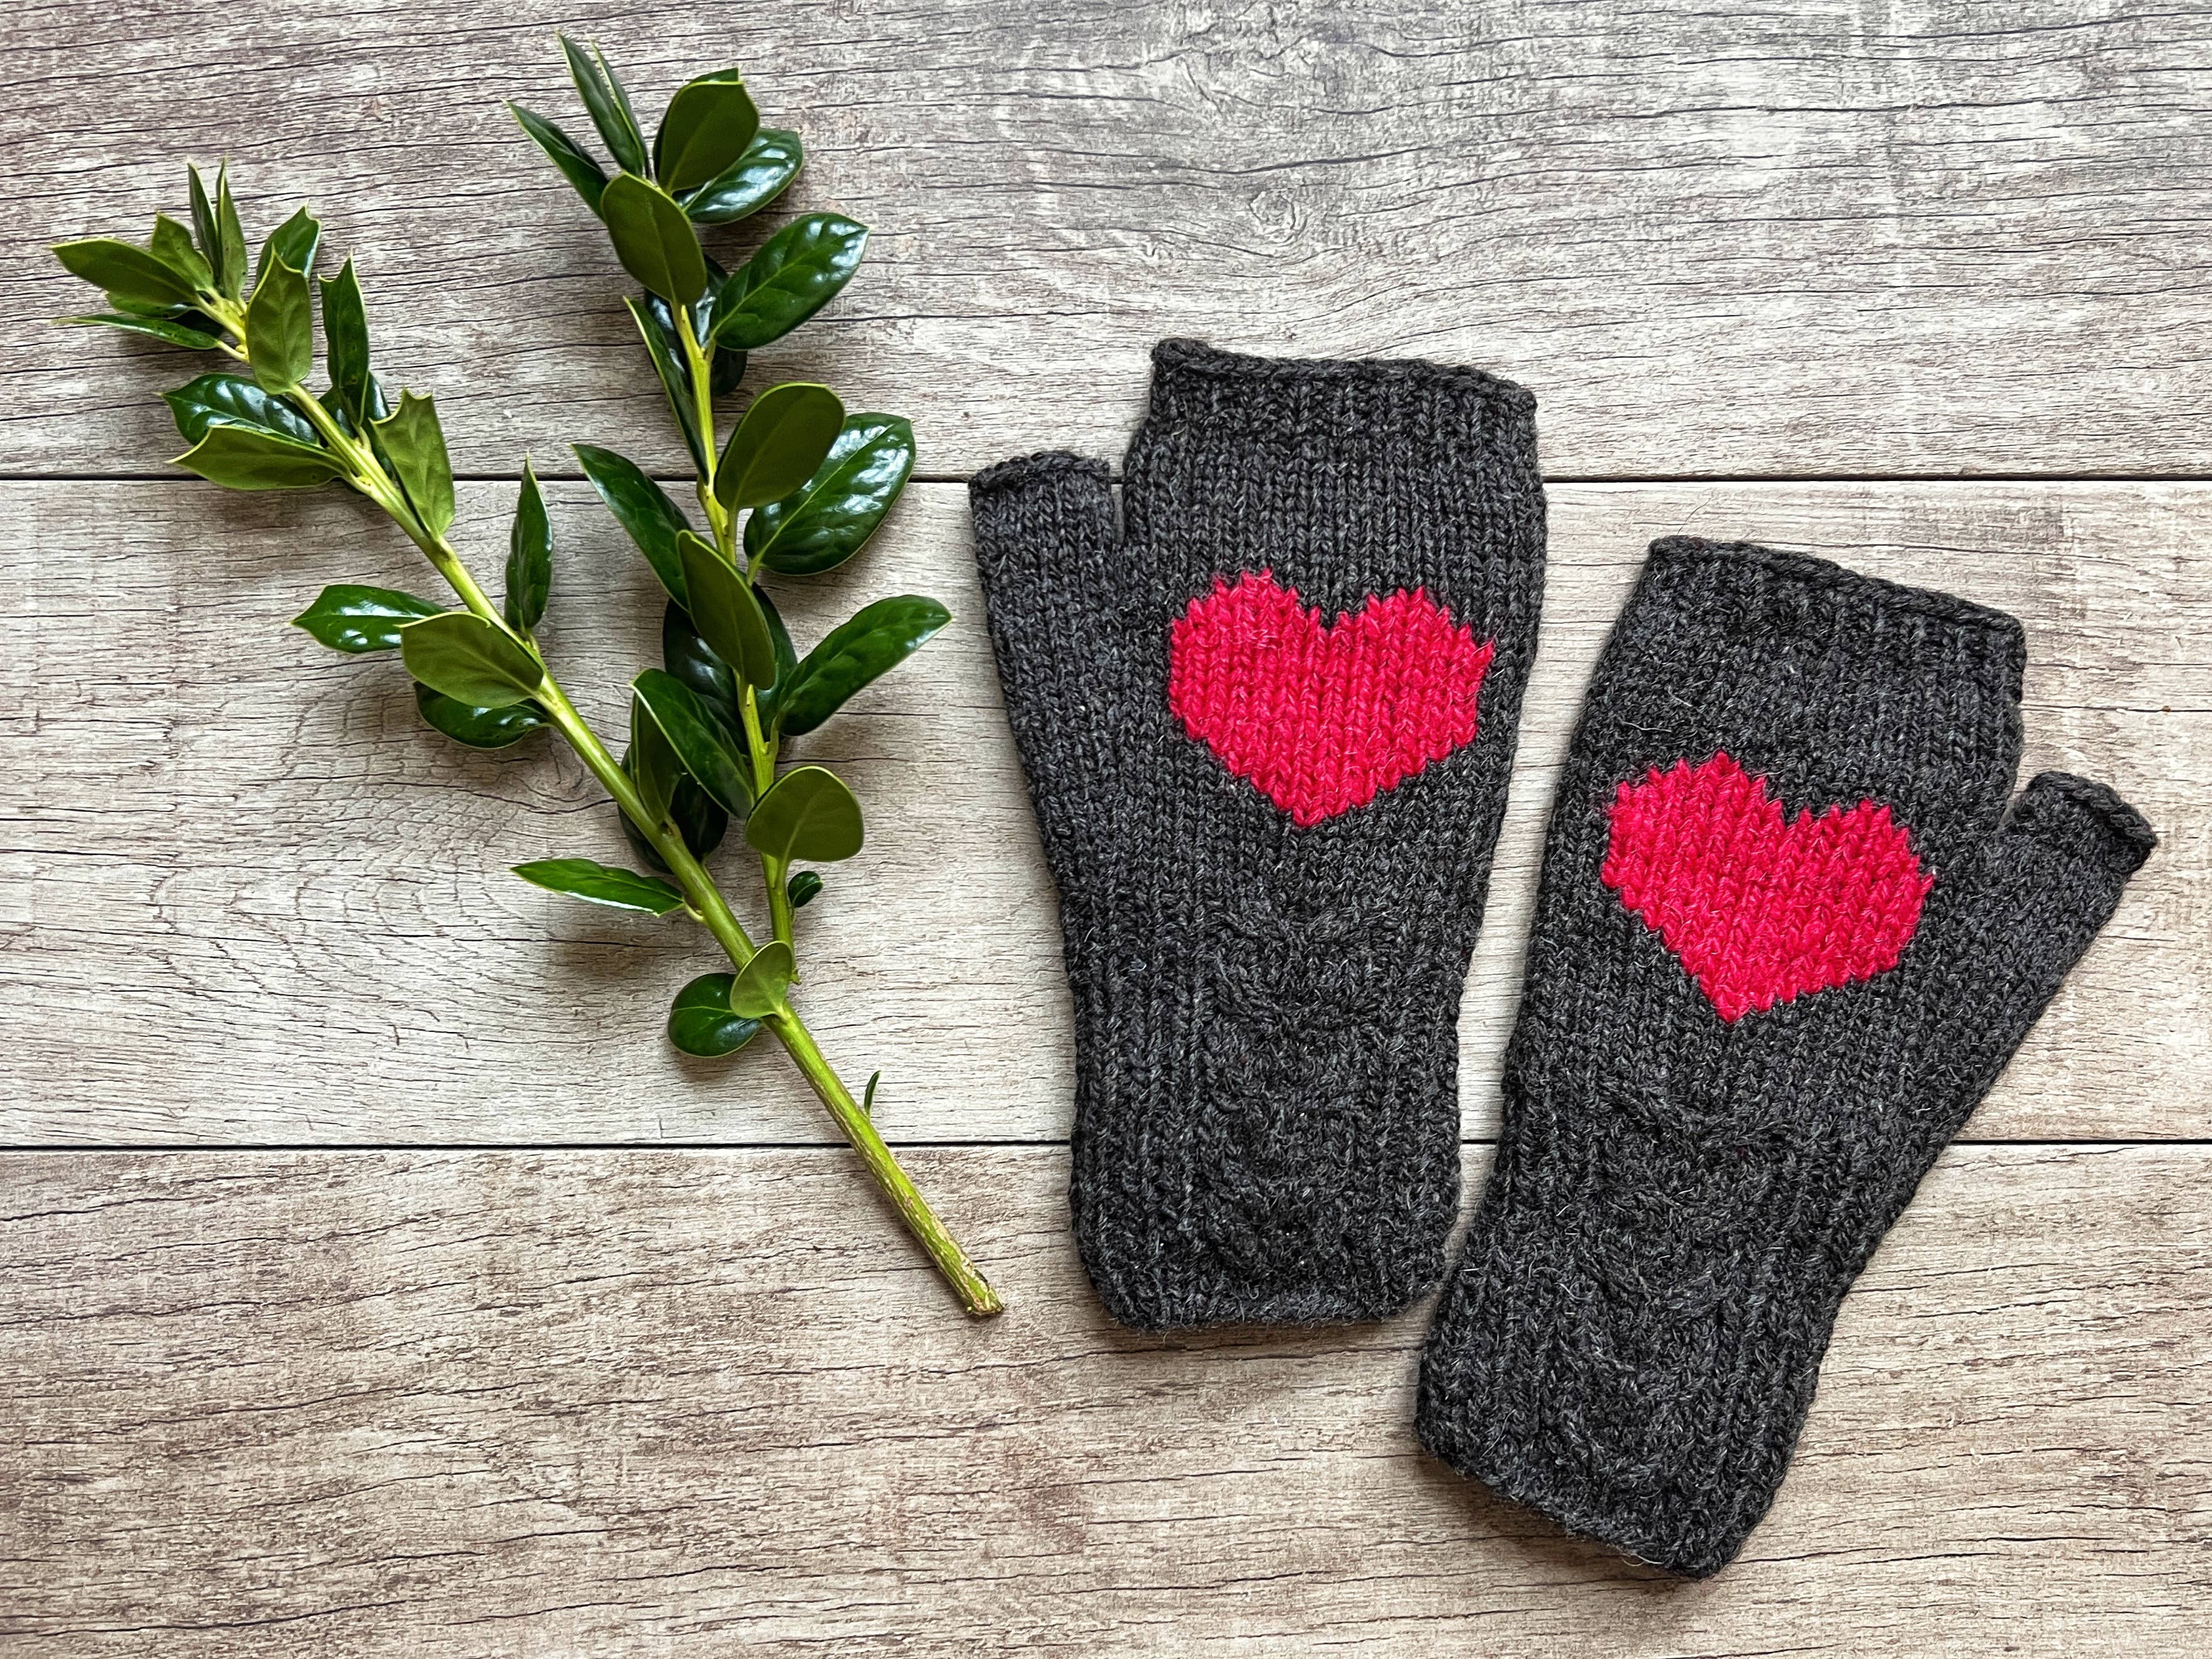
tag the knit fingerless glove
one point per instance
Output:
(1267, 722)
(1787, 937)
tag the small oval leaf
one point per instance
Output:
(794, 273)
(809, 814)
(586, 176)
(461, 654)
(125, 270)
(280, 328)
(763, 173)
(725, 613)
(479, 728)
(607, 104)
(827, 520)
(643, 508)
(802, 887)
(709, 123)
(654, 239)
(759, 989)
(603, 883)
(854, 654)
(784, 436)
(700, 1021)
(702, 742)
(243, 458)
(529, 557)
(347, 616)
(234, 400)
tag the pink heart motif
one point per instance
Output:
(1759, 910)
(1322, 719)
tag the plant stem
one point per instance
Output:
(367, 473)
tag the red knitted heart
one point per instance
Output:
(1323, 719)
(1760, 911)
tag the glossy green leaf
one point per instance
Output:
(701, 823)
(654, 239)
(153, 328)
(801, 888)
(643, 508)
(232, 399)
(796, 272)
(461, 654)
(347, 616)
(705, 745)
(479, 728)
(760, 988)
(586, 175)
(173, 246)
(787, 660)
(651, 763)
(709, 123)
(292, 243)
(725, 612)
(675, 377)
(700, 1021)
(808, 813)
(529, 557)
(206, 231)
(827, 520)
(783, 438)
(868, 1100)
(415, 445)
(231, 235)
(603, 883)
(875, 640)
(126, 271)
(608, 103)
(693, 661)
(763, 173)
(345, 343)
(246, 458)
(280, 328)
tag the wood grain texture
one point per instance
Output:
(622, 1403)
(1922, 236)
(251, 900)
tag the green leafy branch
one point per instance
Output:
(797, 487)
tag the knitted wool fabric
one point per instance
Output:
(1786, 937)
(1266, 724)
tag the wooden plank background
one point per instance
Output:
(378, 1282)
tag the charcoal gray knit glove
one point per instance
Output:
(1267, 724)
(1787, 937)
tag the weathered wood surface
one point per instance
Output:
(616, 1403)
(251, 900)
(1825, 238)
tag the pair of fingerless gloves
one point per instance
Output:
(1788, 929)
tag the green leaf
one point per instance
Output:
(231, 399)
(347, 616)
(345, 339)
(827, 520)
(653, 764)
(771, 162)
(725, 612)
(126, 271)
(868, 1100)
(153, 328)
(700, 1021)
(173, 246)
(643, 508)
(787, 660)
(802, 887)
(875, 640)
(775, 448)
(205, 228)
(693, 661)
(796, 272)
(700, 740)
(461, 654)
(292, 243)
(654, 239)
(231, 235)
(529, 557)
(608, 103)
(603, 883)
(415, 444)
(246, 458)
(588, 178)
(479, 728)
(709, 123)
(759, 989)
(675, 378)
(280, 328)
(808, 813)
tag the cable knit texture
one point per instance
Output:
(1787, 936)
(1266, 721)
